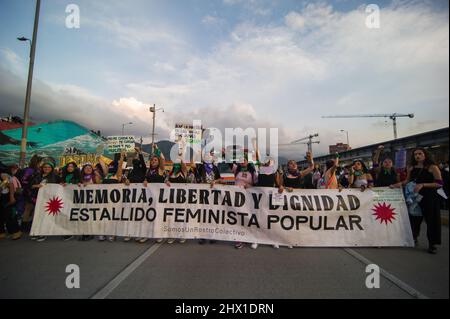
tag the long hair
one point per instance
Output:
(76, 172)
(150, 160)
(329, 164)
(34, 161)
(82, 174)
(428, 158)
(250, 167)
(364, 167)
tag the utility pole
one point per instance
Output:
(26, 113)
(153, 109)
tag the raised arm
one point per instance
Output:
(310, 165)
(376, 158)
(183, 168)
(142, 164)
(119, 168)
(351, 177)
(104, 167)
(333, 169)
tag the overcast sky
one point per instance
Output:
(232, 63)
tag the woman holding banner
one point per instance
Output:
(360, 176)
(156, 173)
(207, 173)
(89, 175)
(292, 178)
(25, 180)
(427, 177)
(386, 175)
(113, 175)
(268, 176)
(329, 179)
(70, 174)
(177, 176)
(245, 176)
(46, 175)
(137, 175)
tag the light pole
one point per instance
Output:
(153, 110)
(26, 113)
(348, 143)
(123, 127)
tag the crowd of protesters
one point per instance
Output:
(19, 187)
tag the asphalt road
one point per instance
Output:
(131, 270)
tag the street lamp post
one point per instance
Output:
(153, 110)
(348, 143)
(123, 127)
(26, 113)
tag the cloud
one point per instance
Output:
(53, 101)
(317, 61)
(256, 7)
(9, 59)
(210, 20)
(295, 20)
(322, 62)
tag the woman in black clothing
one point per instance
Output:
(113, 174)
(386, 175)
(207, 173)
(70, 174)
(267, 174)
(177, 176)
(30, 201)
(156, 172)
(428, 179)
(137, 173)
(292, 179)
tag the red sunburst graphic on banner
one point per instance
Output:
(385, 213)
(54, 206)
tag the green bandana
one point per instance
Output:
(358, 173)
(176, 169)
(69, 178)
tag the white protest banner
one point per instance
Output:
(325, 218)
(116, 144)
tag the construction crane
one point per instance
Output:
(392, 116)
(309, 143)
